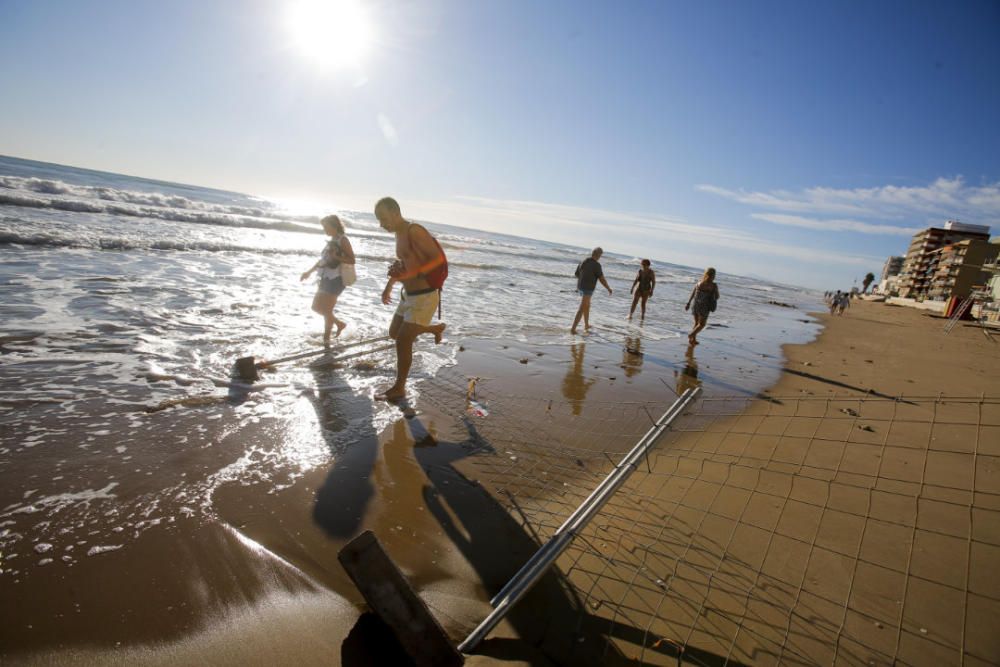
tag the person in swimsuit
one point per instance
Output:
(587, 274)
(646, 280)
(705, 295)
(418, 255)
(337, 251)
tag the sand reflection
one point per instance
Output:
(687, 377)
(575, 386)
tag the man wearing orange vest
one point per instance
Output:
(421, 267)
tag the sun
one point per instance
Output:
(333, 34)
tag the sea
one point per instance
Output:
(125, 301)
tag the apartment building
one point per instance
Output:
(959, 267)
(890, 273)
(921, 263)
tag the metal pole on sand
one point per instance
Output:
(247, 367)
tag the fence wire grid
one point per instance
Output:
(796, 530)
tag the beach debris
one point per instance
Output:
(866, 427)
(613, 377)
(476, 409)
(102, 549)
(849, 411)
(539, 354)
(187, 402)
(524, 360)
(659, 642)
(806, 363)
(390, 596)
(461, 348)
(780, 303)
(923, 631)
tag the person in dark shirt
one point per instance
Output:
(587, 275)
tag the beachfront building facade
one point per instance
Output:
(991, 309)
(890, 272)
(959, 268)
(920, 265)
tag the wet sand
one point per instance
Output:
(261, 583)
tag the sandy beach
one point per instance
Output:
(824, 521)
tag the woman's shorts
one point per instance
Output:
(332, 286)
(586, 292)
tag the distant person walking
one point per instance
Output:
(646, 281)
(843, 302)
(705, 296)
(834, 302)
(422, 268)
(337, 253)
(587, 274)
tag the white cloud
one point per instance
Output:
(943, 198)
(834, 225)
(585, 227)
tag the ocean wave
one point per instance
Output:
(120, 243)
(155, 199)
(202, 217)
(105, 243)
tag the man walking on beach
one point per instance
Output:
(421, 267)
(587, 275)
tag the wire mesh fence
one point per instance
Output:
(764, 530)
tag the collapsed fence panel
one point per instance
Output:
(769, 530)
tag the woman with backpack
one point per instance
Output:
(336, 271)
(705, 296)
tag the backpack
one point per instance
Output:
(437, 277)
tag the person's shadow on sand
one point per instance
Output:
(553, 624)
(342, 499)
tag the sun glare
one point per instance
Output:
(331, 33)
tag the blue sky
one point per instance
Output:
(801, 142)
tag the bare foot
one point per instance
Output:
(393, 393)
(340, 327)
(573, 331)
(438, 331)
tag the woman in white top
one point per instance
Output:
(338, 251)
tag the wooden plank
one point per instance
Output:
(389, 595)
